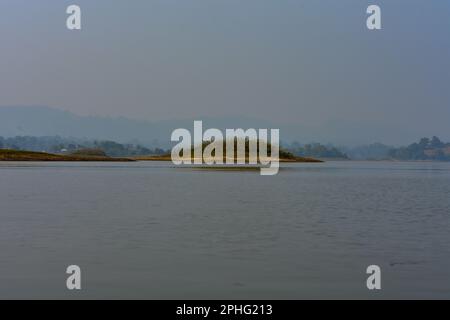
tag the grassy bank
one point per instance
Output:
(15, 155)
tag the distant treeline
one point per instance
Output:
(316, 150)
(375, 151)
(426, 149)
(59, 145)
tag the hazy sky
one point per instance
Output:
(310, 64)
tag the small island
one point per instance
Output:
(284, 155)
(167, 157)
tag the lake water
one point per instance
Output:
(148, 230)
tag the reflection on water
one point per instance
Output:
(149, 230)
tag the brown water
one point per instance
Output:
(147, 230)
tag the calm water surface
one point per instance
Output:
(148, 230)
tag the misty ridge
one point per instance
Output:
(45, 129)
(39, 121)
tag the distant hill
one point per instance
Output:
(43, 121)
(49, 122)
